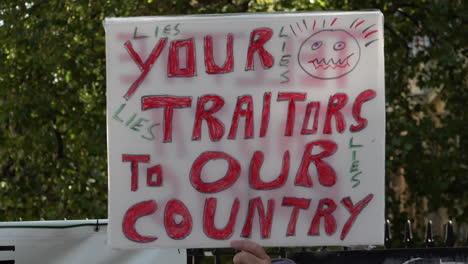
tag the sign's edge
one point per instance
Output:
(260, 15)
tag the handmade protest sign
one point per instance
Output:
(267, 127)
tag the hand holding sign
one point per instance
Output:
(251, 253)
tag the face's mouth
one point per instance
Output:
(331, 63)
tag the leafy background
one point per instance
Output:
(52, 102)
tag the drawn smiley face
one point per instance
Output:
(329, 54)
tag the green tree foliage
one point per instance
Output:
(52, 100)
(52, 97)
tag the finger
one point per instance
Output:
(245, 257)
(250, 247)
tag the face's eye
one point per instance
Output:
(316, 45)
(339, 45)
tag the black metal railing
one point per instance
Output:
(7, 248)
(430, 250)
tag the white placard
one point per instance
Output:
(72, 242)
(267, 127)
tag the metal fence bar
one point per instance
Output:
(396, 256)
(429, 238)
(408, 238)
(449, 240)
(466, 240)
(387, 235)
(449, 235)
